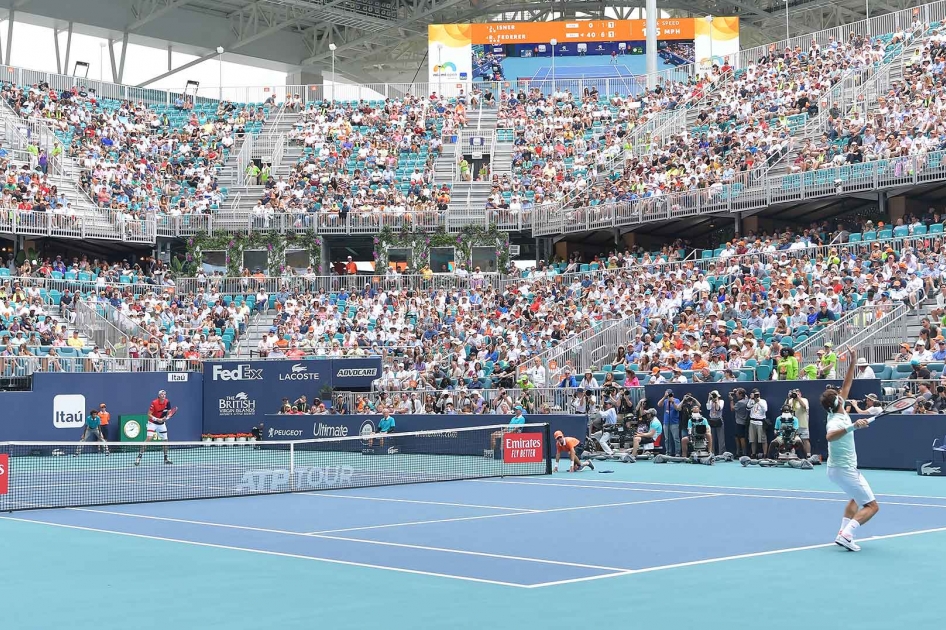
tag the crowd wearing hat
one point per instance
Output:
(908, 120)
(354, 157)
(744, 125)
(136, 161)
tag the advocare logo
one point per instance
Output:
(242, 372)
(357, 372)
(237, 405)
(299, 372)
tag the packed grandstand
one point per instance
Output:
(721, 304)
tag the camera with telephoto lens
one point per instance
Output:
(794, 394)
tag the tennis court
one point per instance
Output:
(684, 543)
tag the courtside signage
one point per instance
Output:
(523, 448)
(68, 411)
(4, 473)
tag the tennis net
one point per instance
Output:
(53, 474)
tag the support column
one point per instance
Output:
(651, 28)
(10, 19)
(65, 65)
(170, 65)
(56, 46)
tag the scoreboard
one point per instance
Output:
(578, 31)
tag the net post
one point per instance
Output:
(292, 466)
(548, 448)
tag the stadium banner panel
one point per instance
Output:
(247, 389)
(56, 408)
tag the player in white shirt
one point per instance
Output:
(842, 460)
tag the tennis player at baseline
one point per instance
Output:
(158, 414)
(842, 460)
(573, 447)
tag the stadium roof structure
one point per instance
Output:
(378, 40)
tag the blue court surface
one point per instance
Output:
(575, 67)
(721, 546)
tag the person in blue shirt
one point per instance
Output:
(515, 426)
(567, 379)
(940, 354)
(786, 435)
(92, 428)
(649, 431)
(670, 407)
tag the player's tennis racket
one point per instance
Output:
(896, 406)
(170, 413)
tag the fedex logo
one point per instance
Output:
(242, 372)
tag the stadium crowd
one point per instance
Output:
(746, 122)
(907, 121)
(137, 160)
(367, 159)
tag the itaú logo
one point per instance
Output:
(299, 372)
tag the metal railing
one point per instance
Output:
(876, 331)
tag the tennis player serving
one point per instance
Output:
(158, 414)
(842, 460)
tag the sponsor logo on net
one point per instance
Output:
(301, 478)
(68, 411)
(357, 372)
(299, 372)
(237, 405)
(242, 372)
(280, 433)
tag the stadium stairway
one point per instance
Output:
(255, 329)
(15, 134)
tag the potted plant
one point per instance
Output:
(207, 438)
(229, 438)
(241, 437)
(218, 438)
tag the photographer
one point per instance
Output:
(583, 402)
(698, 432)
(609, 421)
(670, 407)
(800, 407)
(632, 419)
(687, 404)
(758, 409)
(939, 400)
(786, 435)
(740, 408)
(714, 409)
(871, 407)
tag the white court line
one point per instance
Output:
(385, 499)
(488, 516)
(721, 494)
(697, 485)
(271, 553)
(757, 554)
(342, 538)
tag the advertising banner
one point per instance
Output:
(4, 473)
(238, 393)
(55, 410)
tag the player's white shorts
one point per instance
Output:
(852, 482)
(157, 431)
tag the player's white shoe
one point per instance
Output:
(847, 543)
